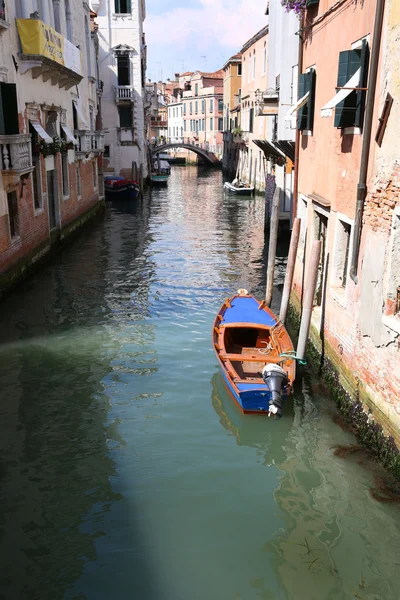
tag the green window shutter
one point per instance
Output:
(345, 111)
(311, 2)
(128, 6)
(117, 7)
(302, 112)
(310, 87)
(360, 94)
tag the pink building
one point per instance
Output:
(203, 100)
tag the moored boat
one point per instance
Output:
(255, 354)
(119, 188)
(239, 187)
(158, 178)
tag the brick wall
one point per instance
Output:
(379, 205)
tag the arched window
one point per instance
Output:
(249, 69)
(87, 37)
(68, 20)
(254, 65)
(264, 58)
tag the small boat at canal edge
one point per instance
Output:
(239, 187)
(118, 188)
(158, 178)
(255, 353)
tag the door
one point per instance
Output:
(52, 199)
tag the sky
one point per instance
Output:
(191, 35)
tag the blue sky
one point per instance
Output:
(190, 35)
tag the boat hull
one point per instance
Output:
(241, 191)
(159, 179)
(123, 193)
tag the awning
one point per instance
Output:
(80, 114)
(42, 132)
(69, 134)
(296, 106)
(269, 149)
(286, 147)
(354, 81)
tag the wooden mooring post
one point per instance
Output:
(308, 302)
(291, 261)
(273, 239)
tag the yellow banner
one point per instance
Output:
(38, 38)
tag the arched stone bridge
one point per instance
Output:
(200, 149)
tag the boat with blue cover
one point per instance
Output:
(255, 354)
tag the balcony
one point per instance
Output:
(48, 54)
(84, 138)
(16, 154)
(124, 93)
(97, 140)
(156, 124)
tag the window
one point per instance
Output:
(88, 54)
(251, 120)
(184, 125)
(106, 152)
(254, 65)
(78, 180)
(204, 124)
(125, 116)
(220, 124)
(191, 125)
(211, 124)
(196, 107)
(190, 108)
(211, 105)
(264, 63)
(203, 106)
(123, 69)
(64, 169)
(123, 7)
(239, 69)
(350, 112)
(305, 114)
(184, 109)
(220, 105)
(36, 183)
(94, 171)
(13, 214)
(196, 89)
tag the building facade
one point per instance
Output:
(252, 162)
(203, 101)
(348, 196)
(122, 60)
(232, 97)
(175, 119)
(50, 128)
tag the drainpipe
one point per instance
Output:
(297, 142)
(366, 143)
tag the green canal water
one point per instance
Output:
(126, 470)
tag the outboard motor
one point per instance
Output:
(276, 380)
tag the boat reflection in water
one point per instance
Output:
(265, 434)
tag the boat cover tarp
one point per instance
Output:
(245, 310)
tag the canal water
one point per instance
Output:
(126, 470)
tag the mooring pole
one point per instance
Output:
(141, 180)
(273, 239)
(254, 177)
(291, 261)
(308, 301)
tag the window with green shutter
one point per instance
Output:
(123, 7)
(350, 112)
(305, 114)
(311, 3)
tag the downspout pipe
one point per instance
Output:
(366, 142)
(297, 141)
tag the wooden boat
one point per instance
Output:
(158, 178)
(118, 188)
(255, 354)
(239, 187)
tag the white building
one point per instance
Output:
(50, 128)
(175, 121)
(122, 60)
(282, 76)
